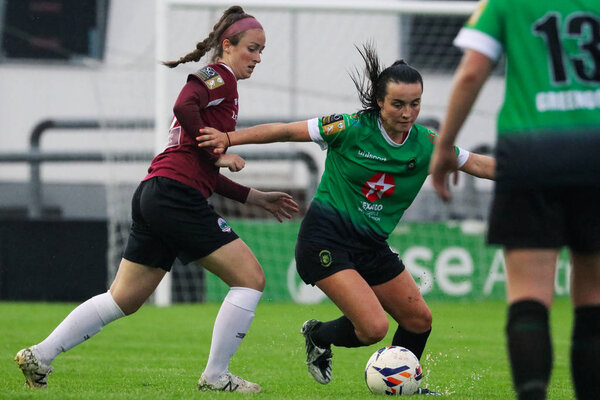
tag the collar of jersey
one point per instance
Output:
(388, 138)
(226, 66)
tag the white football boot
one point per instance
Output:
(228, 383)
(36, 373)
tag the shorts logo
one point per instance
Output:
(223, 225)
(210, 77)
(333, 124)
(325, 258)
(378, 186)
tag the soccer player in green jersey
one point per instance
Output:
(547, 191)
(377, 161)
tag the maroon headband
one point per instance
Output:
(238, 26)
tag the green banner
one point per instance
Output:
(447, 260)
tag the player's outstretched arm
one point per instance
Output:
(266, 133)
(280, 204)
(480, 166)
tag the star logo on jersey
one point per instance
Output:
(378, 186)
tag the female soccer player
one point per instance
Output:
(548, 187)
(171, 216)
(377, 161)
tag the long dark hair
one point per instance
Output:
(231, 15)
(372, 84)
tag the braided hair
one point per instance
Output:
(372, 85)
(230, 16)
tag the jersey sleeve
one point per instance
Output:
(230, 189)
(192, 99)
(462, 156)
(212, 80)
(329, 130)
(484, 31)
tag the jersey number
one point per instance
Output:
(583, 27)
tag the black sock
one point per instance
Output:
(339, 332)
(415, 342)
(529, 348)
(585, 352)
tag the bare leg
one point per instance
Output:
(357, 301)
(133, 285)
(402, 299)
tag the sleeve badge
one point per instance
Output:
(333, 124)
(210, 77)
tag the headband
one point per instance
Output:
(238, 26)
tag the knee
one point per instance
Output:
(259, 281)
(128, 306)
(127, 303)
(256, 279)
(374, 331)
(420, 322)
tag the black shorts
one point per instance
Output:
(546, 218)
(172, 220)
(315, 261)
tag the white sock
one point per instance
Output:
(81, 324)
(231, 325)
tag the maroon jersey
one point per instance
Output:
(209, 98)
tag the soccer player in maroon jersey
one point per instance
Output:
(172, 218)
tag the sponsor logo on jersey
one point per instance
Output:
(210, 77)
(333, 124)
(371, 156)
(325, 258)
(223, 225)
(379, 186)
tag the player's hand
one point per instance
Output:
(211, 137)
(234, 162)
(443, 162)
(280, 204)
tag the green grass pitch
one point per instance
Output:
(159, 353)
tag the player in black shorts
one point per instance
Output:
(172, 218)
(377, 162)
(547, 192)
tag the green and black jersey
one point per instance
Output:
(369, 180)
(549, 124)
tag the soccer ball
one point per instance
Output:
(393, 370)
